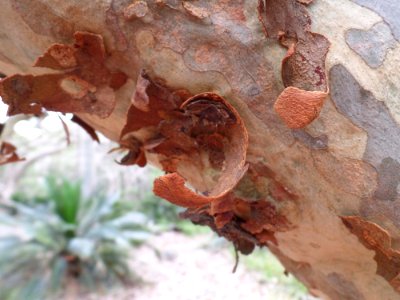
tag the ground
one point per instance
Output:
(175, 266)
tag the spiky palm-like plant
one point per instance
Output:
(66, 238)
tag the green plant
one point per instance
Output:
(159, 210)
(66, 239)
(263, 261)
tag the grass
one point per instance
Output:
(265, 263)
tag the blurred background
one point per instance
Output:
(76, 225)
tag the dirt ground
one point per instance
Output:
(174, 266)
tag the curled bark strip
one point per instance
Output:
(304, 64)
(235, 152)
(183, 131)
(297, 107)
(86, 84)
(374, 237)
(210, 116)
(8, 154)
(172, 187)
(89, 129)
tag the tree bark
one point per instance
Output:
(322, 194)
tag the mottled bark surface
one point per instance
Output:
(207, 90)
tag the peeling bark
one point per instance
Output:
(231, 99)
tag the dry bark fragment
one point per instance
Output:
(243, 241)
(89, 129)
(298, 107)
(8, 154)
(264, 217)
(58, 57)
(183, 130)
(155, 102)
(135, 155)
(304, 64)
(172, 187)
(86, 84)
(377, 239)
(245, 223)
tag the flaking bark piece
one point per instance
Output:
(200, 126)
(304, 64)
(86, 85)
(259, 218)
(243, 241)
(284, 18)
(8, 154)
(177, 133)
(151, 103)
(297, 107)
(172, 186)
(264, 217)
(135, 154)
(85, 126)
(375, 238)
(57, 57)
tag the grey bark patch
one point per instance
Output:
(365, 111)
(372, 45)
(389, 10)
(388, 180)
(317, 143)
(344, 287)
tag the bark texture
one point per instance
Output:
(232, 98)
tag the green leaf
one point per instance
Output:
(58, 271)
(81, 247)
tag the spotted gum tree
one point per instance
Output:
(276, 121)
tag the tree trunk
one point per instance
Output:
(274, 159)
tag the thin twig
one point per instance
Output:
(236, 259)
